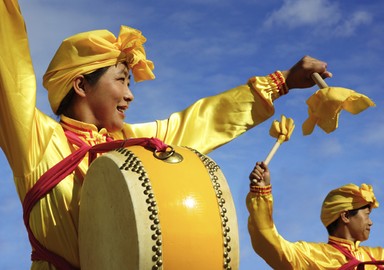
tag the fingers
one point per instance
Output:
(312, 65)
(309, 65)
(263, 166)
(326, 74)
(299, 76)
(257, 175)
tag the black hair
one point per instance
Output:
(92, 78)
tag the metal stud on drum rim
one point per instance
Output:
(170, 215)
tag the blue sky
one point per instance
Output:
(203, 47)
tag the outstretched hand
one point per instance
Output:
(299, 76)
(260, 176)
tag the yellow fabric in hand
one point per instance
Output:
(325, 105)
(282, 130)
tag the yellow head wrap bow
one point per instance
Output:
(346, 198)
(86, 52)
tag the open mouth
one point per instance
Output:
(122, 109)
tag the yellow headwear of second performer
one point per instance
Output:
(86, 52)
(347, 197)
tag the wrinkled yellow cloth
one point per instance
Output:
(282, 130)
(347, 197)
(86, 52)
(325, 105)
(33, 142)
(280, 253)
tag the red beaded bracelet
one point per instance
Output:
(260, 190)
(278, 78)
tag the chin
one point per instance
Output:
(365, 238)
(116, 128)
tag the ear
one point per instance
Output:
(79, 85)
(344, 217)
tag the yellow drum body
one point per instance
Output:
(140, 212)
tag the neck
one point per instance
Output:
(80, 113)
(344, 233)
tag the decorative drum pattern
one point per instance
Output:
(141, 212)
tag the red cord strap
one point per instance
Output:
(352, 261)
(58, 172)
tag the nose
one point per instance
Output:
(128, 96)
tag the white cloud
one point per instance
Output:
(348, 26)
(297, 13)
(323, 16)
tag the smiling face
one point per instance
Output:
(109, 98)
(359, 225)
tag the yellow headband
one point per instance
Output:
(86, 52)
(346, 198)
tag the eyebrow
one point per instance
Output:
(124, 71)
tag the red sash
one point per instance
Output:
(352, 261)
(57, 173)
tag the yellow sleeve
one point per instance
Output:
(265, 239)
(268, 244)
(216, 120)
(277, 251)
(17, 88)
(376, 252)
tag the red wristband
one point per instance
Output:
(266, 190)
(278, 78)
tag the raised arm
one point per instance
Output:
(216, 120)
(266, 241)
(17, 86)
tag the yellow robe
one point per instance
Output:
(282, 254)
(33, 142)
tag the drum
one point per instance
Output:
(139, 211)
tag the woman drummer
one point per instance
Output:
(88, 87)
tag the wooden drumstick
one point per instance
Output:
(318, 80)
(272, 152)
